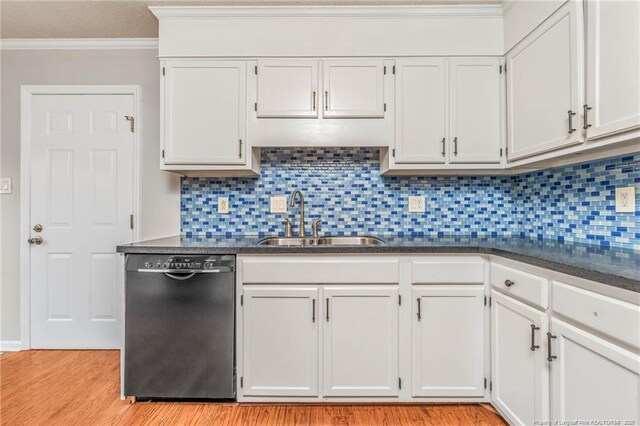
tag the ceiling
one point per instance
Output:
(132, 19)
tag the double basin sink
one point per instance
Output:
(320, 241)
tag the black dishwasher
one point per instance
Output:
(180, 327)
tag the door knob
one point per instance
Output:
(36, 240)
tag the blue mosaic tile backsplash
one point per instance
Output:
(344, 186)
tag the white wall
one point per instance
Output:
(160, 190)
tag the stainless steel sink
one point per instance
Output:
(320, 241)
(349, 241)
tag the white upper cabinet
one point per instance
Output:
(353, 88)
(520, 375)
(360, 341)
(448, 341)
(287, 88)
(204, 112)
(545, 85)
(474, 110)
(280, 339)
(421, 111)
(613, 67)
(592, 378)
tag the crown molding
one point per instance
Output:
(77, 43)
(428, 11)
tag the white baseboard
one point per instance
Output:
(10, 345)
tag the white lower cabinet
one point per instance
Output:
(280, 341)
(592, 380)
(520, 376)
(448, 341)
(360, 341)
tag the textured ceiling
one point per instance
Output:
(125, 18)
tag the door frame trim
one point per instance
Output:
(26, 94)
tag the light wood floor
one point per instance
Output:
(82, 388)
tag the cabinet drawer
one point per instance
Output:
(616, 318)
(319, 271)
(442, 271)
(522, 285)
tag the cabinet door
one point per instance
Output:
(421, 113)
(287, 88)
(474, 110)
(448, 341)
(544, 86)
(204, 112)
(353, 88)
(280, 339)
(592, 379)
(520, 374)
(360, 341)
(613, 67)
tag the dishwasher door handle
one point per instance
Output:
(180, 277)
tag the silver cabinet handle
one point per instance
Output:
(313, 104)
(326, 101)
(586, 108)
(327, 309)
(419, 313)
(549, 356)
(443, 144)
(508, 283)
(313, 310)
(571, 114)
(455, 146)
(533, 337)
(240, 148)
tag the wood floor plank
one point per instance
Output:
(83, 388)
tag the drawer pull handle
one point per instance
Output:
(327, 309)
(419, 313)
(549, 356)
(313, 310)
(508, 283)
(571, 114)
(533, 337)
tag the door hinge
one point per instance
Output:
(385, 107)
(255, 70)
(131, 221)
(399, 300)
(255, 107)
(163, 71)
(506, 152)
(163, 153)
(399, 383)
(393, 152)
(505, 67)
(384, 70)
(242, 300)
(485, 301)
(241, 381)
(489, 301)
(131, 121)
(485, 382)
(490, 386)
(500, 152)
(500, 69)
(393, 69)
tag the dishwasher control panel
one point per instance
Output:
(179, 263)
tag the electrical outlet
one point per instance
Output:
(223, 205)
(626, 199)
(278, 205)
(416, 204)
(5, 186)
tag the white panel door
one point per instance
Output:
(360, 342)
(448, 341)
(474, 110)
(520, 372)
(592, 379)
(81, 194)
(204, 114)
(421, 111)
(613, 67)
(353, 88)
(545, 85)
(280, 339)
(287, 88)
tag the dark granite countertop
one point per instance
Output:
(612, 266)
